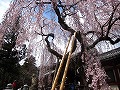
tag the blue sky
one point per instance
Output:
(4, 5)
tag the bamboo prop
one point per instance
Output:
(67, 63)
(60, 67)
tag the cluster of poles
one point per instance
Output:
(61, 65)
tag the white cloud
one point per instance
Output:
(4, 5)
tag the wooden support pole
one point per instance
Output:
(67, 63)
(60, 67)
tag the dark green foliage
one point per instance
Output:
(10, 69)
(28, 69)
(9, 58)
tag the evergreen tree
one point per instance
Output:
(10, 56)
(27, 70)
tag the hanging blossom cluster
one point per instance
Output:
(95, 74)
(99, 19)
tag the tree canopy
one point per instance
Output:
(93, 20)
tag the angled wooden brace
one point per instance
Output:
(60, 66)
(67, 63)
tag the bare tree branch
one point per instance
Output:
(61, 20)
(53, 51)
(49, 48)
(89, 32)
(113, 41)
(66, 27)
(110, 23)
(40, 33)
(115, 20)
(103, 39)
